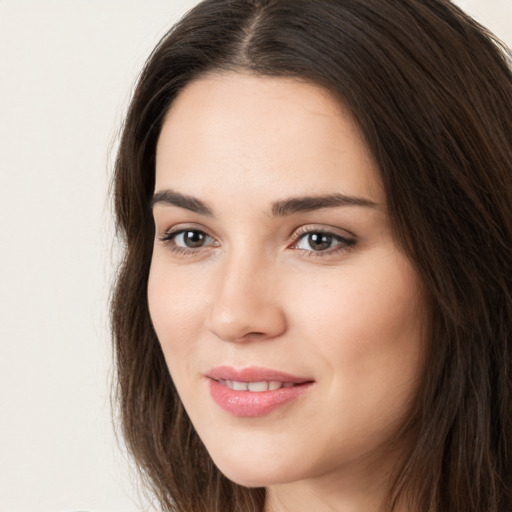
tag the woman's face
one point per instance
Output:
(290, 322)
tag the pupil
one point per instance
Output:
(194, 239)
(320, 241)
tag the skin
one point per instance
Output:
(259, 292)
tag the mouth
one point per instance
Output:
(256, 387)
(254, 391)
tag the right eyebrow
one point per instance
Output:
(173, 198)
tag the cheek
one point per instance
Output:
(176, 307)
(363, 305)
(367, 325)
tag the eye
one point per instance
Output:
(188, 239)
(318, 241)
(192, 239)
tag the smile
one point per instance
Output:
(252, 392)
(256, 387)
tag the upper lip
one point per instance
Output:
(254, 374)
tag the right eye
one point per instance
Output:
(187, 240)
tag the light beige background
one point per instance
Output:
(66, 72)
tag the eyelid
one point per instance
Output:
(347, 240)
(172, 233)
(174, 236)
(323, 228)
(169, 235)
(185, 226)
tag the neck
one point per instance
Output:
(363, 490)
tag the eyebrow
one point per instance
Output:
(279, 208)
(172, 198)
(309, 203)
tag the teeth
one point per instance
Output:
(239, 386)
(256, 387)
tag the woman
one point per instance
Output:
(314, 310)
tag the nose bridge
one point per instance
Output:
(245, 303)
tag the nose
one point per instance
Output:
(245, 305)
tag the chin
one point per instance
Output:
(256, 473)
(250, 478)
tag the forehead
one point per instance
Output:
(254, 134)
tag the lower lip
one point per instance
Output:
(252, 403)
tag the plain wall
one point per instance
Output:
(66, 72)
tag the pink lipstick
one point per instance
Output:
(254, 391)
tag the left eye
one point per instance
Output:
(190, 239)
(319, 241)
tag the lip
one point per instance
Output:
(249, 403)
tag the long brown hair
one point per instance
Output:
(432, 93)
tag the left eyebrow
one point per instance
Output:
(309, 203)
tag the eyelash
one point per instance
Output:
(168, 239)
(343, 244)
